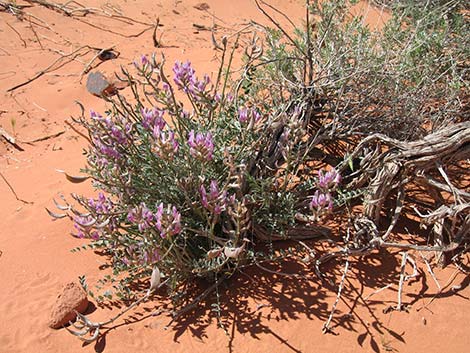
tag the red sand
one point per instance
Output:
(273, 315)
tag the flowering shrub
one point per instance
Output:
(189, 176)
(194, 172)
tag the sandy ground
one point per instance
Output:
(267, 313)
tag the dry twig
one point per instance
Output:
(14, 192)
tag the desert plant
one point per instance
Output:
(195, 172)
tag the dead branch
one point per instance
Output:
(50, 68)
(431, 272)
(403, 162)
(85, 326)
(156, 43)
(402, 279)
(14, 192)
(88, 66)
(101, 28)
(326, 325)
(293, 42)
(43, 138)
(17, 33)
(13, 8)
(10, 139)
(35, 33)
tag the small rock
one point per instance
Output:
(203, 6)
(98, 85)
(107, 55)
(73, 298)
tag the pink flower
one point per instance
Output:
(202, 191)
(168, 220)
(141, 216)
(321, 201)
(216, 201)
(248, 115)
(201, 145)
(328, 180)
(186, 80)
(164, 145)
(152, 118)
(243, 115)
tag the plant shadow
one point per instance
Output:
(249, 302)
(253, 299)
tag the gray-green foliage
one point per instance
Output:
(395, 80)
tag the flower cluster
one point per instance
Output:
(227, 99)
(116, 135)
(322, 201)
(186, 80)
(249, 115)
(329, 180)
(143, 65)
(152, 118)
(201, 145)
(101, 205)
(84, 227)
(166, 220)
(141, 216)
(214, 201)
(164, 145)
(140, 254)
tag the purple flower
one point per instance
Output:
(202, 191)
(256, 116)
(167, 220)
(185, 114)
(118, 135)
(84, 226)
(184, 75)
(141, 216)
(110, 136)
(164, 145)
(328, 180)
(243, 115)
(144, 60)
(176, 221)
(214, 190)
(94, 235)
(95, 115)
(321, 201)
(152, 118)
(186, 80)
(108, 150)
(80, 233)
(144, 63)
(102, 205)
(199, 87)
(201, 145)
(215, 202)
(149, 256)
(248, 115)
